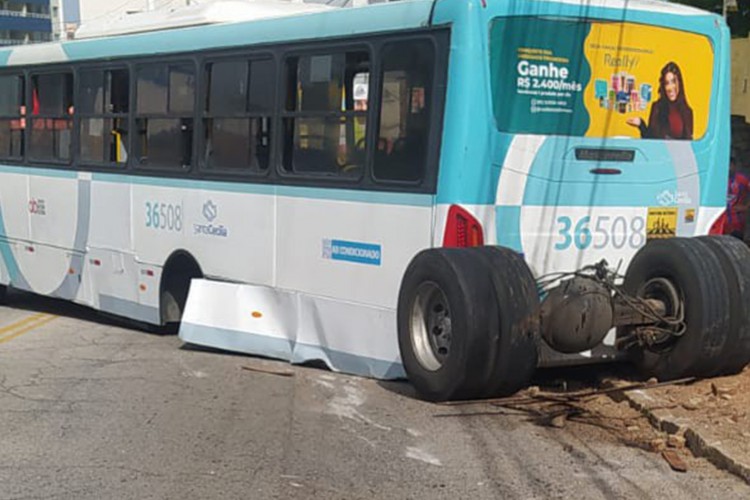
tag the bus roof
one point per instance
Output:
(330, 23)
(199, 14)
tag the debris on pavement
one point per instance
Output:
(268, 371)
(713, 416)
(674, 460)
(680, 419)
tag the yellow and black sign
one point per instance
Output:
(690, 215)
(661, 223)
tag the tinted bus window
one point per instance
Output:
(152, 89)
(181, 89)
(103, 103)
(12, 120)
(237, 121)
(164, 115)
(324, 125)
(51, 117)
(405, 96)
(91, 92)
(11, 95)
(262, 84)
(227, 87)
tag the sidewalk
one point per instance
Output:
(712, 415)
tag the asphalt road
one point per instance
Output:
(95, 410)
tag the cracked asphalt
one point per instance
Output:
(92, 409)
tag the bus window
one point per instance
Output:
(181, 89)
(324, 131)
(12, 120)
(164, 115)
(404, 125)
(237, 120)
(51, 120)
(103, 103)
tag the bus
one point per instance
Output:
(453, 191)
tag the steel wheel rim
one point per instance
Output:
(430, 326)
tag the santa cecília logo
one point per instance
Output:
(210, 213)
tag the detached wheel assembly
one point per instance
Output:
(687, 277)
(734, 257)
(467, 323)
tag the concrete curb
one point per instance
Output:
(699, 442)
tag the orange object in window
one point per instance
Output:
(35, 106)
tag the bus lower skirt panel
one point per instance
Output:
(349, 338)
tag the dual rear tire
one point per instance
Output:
(468, 323)
(709, 279)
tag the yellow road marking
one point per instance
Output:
(25, 325)
(22, 322)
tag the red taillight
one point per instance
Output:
(719, 225)
(462, 229)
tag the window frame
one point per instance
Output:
(19, 73)
(435, 106)
(203, 114)
(169, 61)
(29, 90)
(77, 116)
(283, 113)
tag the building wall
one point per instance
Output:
(741, 77)
(57, 18)
(25, 21)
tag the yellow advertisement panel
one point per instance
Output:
(647, 81)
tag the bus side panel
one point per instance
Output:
(230, 234)
(14, 194)
(110, 271)
(44, 232)
(348, 250)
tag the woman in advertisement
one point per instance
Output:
(671, 116)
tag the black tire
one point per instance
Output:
(514, 346)
(3, 294)
(467, 309)
(695, 271)
(734, 257)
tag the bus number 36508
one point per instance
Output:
(164, 216)
(600, 232)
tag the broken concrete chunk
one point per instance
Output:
(674, 460)
(675, 441)
(657, 444)
(692, 404)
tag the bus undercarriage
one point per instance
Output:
(471, 321)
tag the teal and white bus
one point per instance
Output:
(447, 190)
